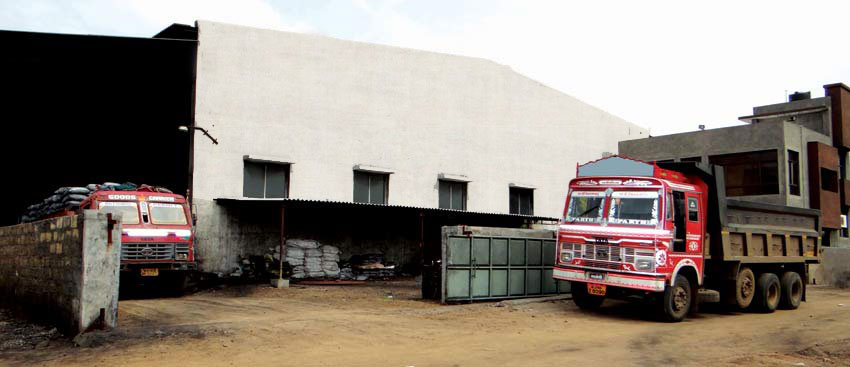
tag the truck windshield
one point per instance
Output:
(634, 208)
(129, 210)
(586, 206)
(167, 214)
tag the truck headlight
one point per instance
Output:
(645, 264)
(181, 256)
(566, 256)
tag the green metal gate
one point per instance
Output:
(481, 263)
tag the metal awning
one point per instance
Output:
(348, 204)
(789, 113)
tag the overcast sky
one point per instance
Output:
(666, 65)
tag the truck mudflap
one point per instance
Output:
(641, 282)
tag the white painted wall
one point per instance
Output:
(328, 104)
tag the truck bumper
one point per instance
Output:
(641, 282)
(134, 267)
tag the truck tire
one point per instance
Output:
(745, 288)
(583, 300)
(767, 293)
(677, 299)
(792, 290)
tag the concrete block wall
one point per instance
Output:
(62, 271)
(834, 269)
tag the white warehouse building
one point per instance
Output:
(371, 147)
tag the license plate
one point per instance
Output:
(596, 276)
(150, 272)
(596, 289)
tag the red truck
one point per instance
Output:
(157, 241)
(666, 232)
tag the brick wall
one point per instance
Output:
(62, 271)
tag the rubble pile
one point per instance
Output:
(372, 266)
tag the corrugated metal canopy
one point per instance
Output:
(339, 204)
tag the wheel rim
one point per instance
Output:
(680, 299)
(747, 287)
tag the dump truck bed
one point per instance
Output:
(752, 232)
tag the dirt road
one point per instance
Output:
(386, 325)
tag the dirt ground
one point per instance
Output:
(385, 324)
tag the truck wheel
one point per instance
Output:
(792, 290)
(745, 288)
(677, 299)
(768, 293)
(583, 300)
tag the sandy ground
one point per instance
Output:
(385, 324)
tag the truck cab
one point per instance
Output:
(157, 236)
(631, 231)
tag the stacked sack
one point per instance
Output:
(65, 198)
(309, 259)
(330, 261)
(69, 198)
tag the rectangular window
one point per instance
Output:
(129, 210)
(669, 206)
(370, 187)
(634, 208)
(172, 214)
(828, 180)
(265, 180)
(693, 210)
(586, 207)
(751, 173)
(793, 172)
(521, 201)
(452, 194)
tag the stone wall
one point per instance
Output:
(62, 271)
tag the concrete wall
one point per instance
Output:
(833, 269)
(796, 139)
(62, 270)
(820, 122)
(326, 105)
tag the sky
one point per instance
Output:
(665, 65)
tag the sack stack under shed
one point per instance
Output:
(310, 259)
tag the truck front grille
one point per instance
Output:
(606, 256)
(149, 251)
(602, 264)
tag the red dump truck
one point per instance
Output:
(157, 241)
(666, 232)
